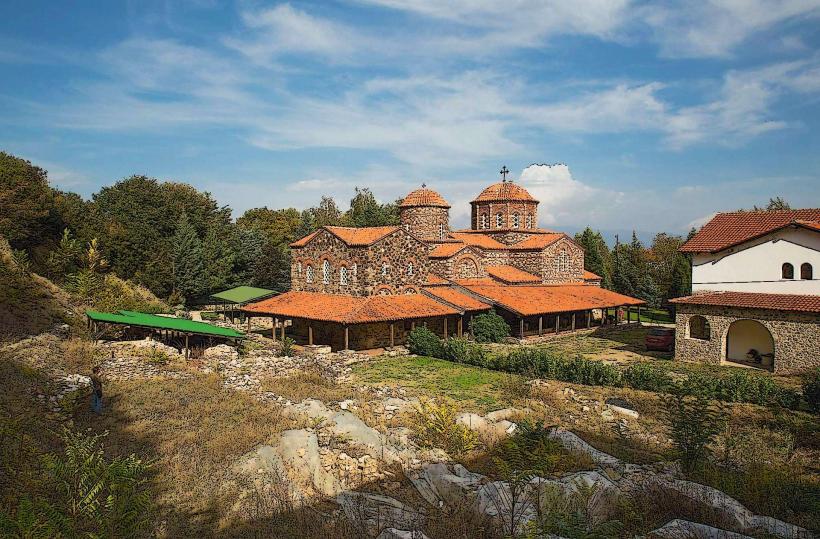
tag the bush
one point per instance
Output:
(463, 351)
(436, 426)
(693, 425)
(647, 377)
(489, 327)
(811, 389)
(424, 342)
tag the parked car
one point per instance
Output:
(662, 339)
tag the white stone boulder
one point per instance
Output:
(374, 512)
(308, 409)
(573, 442)
(221, 351)
(684, 529)
(293, 458)
(393, 533)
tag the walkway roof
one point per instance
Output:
(531, 300)
(243, 294)
(133, 318)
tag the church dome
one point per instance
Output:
(504, 192)
(424, 197)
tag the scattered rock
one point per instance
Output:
(220, 351)
(373, 512)
(684, 529)
(620, 406)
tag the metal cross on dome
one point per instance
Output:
(504, 172)
(423, 185)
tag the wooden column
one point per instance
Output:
(347, 338)
(249, 323)
(540, 324)
(310, 334)
(391, 334)
(275, 323)
(283, 330)
(628, 314)
(412, 325)
(521, 327)
(187, 350)
(573, 321)
(639, 315)
(557, 322)
(461, 326)
(445, 329)
(589, 319)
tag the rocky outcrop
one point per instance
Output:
(683, 529)
(372, 513)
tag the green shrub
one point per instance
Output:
(424, 342)
(489, 327)
(287, 349)
(811, 389)
(693, 425)
(436, 426)
(646, 376)
(463, 351)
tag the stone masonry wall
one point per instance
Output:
(796, 335)
(426, 222)
(460, 266)
(551, 273)
(365, 277)
(506, 209)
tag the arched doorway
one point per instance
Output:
(749, 342)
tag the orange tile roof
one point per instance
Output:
(589, 276)
(435, 280)
(753, 300)
(461, 300)
(478, 240)
(511, 275)
(505, 229)
(538, 241)
(504, 191)
(302, 242)
(530, 300)
(424, 197)
(446, 250)
(352, 236)
(477, 280)
(350, 309)
(814, 225)
(728, 229)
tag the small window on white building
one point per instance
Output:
(806, 271)
(309, 274)
(516, 220)
(485, 221)
(499, 220)
(343, 276)
(787, 271)
(326, 272)
(410, 268)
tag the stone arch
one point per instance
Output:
(466, 267)
(383, 290)
(749, 341)
(409, 290)
(697, 327)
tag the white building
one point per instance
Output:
(756, 292)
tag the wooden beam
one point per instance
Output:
(283, 330)
(249, 323)
(445, 329)
(557, 322)
(187, 350)
(589, 319)
(573, 321)
(521, 327)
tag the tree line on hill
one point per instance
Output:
(181, 244)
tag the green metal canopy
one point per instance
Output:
(133, 318)
(243, 294)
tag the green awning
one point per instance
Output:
(133, 318)
(243, 294)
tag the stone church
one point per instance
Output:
(364, 288)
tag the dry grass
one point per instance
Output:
(194, 430)
(80, 355)
(308, 384)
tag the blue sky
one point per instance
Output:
(660, 114)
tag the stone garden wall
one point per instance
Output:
(796, 335)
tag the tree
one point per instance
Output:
(65, 258)
(775, 204)
(365, 210)
(597, 257)
(279, 226)
(25, 201)
(189, 268)
(219, 257)
(326, 213)
(272, 269)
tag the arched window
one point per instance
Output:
(806, 271)
(410, 268)
(355, 267)
(499, 220)
(309, 274)
(326, 272)
(516, 220)
(787, 271)
(343, 276)
(529, 221)
(485, 221)
(299, 269)
(562, 262)
(385, 269)
(699, 328)
(440, 231)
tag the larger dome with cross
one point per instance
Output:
(504, 206)
(503, 192)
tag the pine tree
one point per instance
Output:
(219, 257)
(189, 267)
(597, 257)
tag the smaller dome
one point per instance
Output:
(503, 192)
(424, 197)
